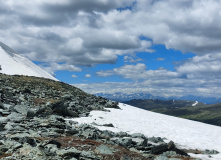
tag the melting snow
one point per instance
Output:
(185, 133)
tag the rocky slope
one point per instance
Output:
(34, 125)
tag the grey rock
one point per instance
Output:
(29, 152)
(31, 112)
(1, 105)
(162, 157)
(11, 145)
(124, 141)
(122, 134)
(210, 152)
(9, 126)
(87, 154)
(103, 149)
(50, 149)
(137, 135)
(141, 142)
(69, 153)
(22, 109)
(15, 116)
(155, 139)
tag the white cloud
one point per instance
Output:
(206, 67)
(74, 76)
(160, 59)
(138, 72)
(94, 32)
(192, 77)
(165, 89)
(87, 75)
(132, 59)
(52, 67)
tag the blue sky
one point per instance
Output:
(165, 48)
(161, 57)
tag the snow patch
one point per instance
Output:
(194, 104)
(15, 64)
(185, 133)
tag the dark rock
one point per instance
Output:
(1, 105)
(124, 141)
(167, 147)
(108, 125)
(69, 153)
(210, 152)
(58, 144)
(122, 134)
(137, 135)
(31, 112)
(159, 149)
(156, 139)
(142, 142)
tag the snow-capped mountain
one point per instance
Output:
(15, 64)
(121, 97)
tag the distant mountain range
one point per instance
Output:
(121, 97)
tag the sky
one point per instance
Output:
(165, 48)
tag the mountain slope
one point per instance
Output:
(34, 124)
(15, 64)
(38, 120)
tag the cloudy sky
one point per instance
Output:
(166, 48)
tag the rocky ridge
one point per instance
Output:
(34, 125)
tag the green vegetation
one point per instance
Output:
(210, 114)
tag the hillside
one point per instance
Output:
(37, 123)
(210, 114)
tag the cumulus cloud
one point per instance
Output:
(87, 75)
(199, 76)
(138, 71)
(52, 67)
(163, 88)
(206, 66)
(74, 76)
(85, 33)
(132, 59)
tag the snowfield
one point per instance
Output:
(185, 133)
(14, 64)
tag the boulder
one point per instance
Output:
(22, 109)
(124, 141)
(1, 105)
(104, 149)
(69, 153)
